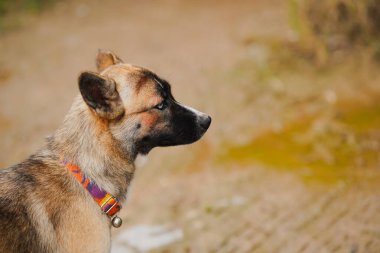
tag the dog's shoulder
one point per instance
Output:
(27, 192)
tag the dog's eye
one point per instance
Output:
(161, 106)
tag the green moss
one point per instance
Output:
(363, 119)
(328, 156)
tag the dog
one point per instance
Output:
(50, 202)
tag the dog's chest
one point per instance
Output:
(85, 229)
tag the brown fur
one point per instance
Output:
(42, 206)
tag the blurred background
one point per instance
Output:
(291, 162)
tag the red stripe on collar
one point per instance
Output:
(108, 203)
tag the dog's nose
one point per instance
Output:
(205, 122)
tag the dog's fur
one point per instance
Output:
(123, 111)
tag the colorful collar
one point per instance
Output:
(108, 203)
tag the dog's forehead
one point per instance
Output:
(136, 78)
(124, 74)
(138, 87)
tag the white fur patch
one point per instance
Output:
(141, 160)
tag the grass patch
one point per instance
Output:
(12, 12)
(330, 28)
(7, 7)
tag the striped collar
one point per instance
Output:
(108, 203)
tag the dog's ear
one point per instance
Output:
(106, 58)
(100, 95)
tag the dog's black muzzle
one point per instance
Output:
(184, 126)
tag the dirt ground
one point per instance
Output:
(217, 205)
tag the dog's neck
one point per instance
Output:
(83, 143)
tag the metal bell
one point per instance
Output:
(116, 222)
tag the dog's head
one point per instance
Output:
(138, 107)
